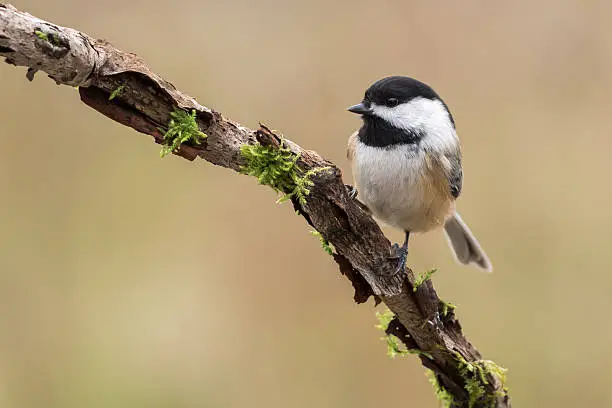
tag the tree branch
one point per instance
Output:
(123, 88)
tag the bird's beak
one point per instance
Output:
(360, 109)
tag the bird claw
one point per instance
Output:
(436, 322)
(400, 253)
(352, 191)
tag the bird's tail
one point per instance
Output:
(466, 248)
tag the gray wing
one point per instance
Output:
(455, 175)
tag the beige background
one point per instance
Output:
(130, 281)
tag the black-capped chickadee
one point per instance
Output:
(406, 162)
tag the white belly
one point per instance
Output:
(397, 186)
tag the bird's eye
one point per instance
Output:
(391, 102)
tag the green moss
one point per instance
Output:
(475, 375)
(476, 392)
(277, 168)
(395, 347)
(420, 279)
(417, 352)
(445, 397)
(116, 92)
(41, 35)
(327, 247)
(446, 307)
(496, 370)
(51, 38)
(182, 128)
(303, 184)
(384, 319)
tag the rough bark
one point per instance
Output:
(363, 253)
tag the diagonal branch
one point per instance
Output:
(123, 88)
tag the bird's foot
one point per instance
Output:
(352, 191)
(436, 322)
(401, 254)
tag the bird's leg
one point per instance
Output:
(402, 253)
(352, 191)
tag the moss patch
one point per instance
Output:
(327, 247)
(395, 347)
(475, 374)
(51, 38)
(116, 92)
(445, 397)
(420, 279)
(182, 128)
(277, 168)
(446, 307)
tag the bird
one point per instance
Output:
(406, 165)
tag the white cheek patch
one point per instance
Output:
(422, 114)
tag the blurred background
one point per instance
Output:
(131, 281)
